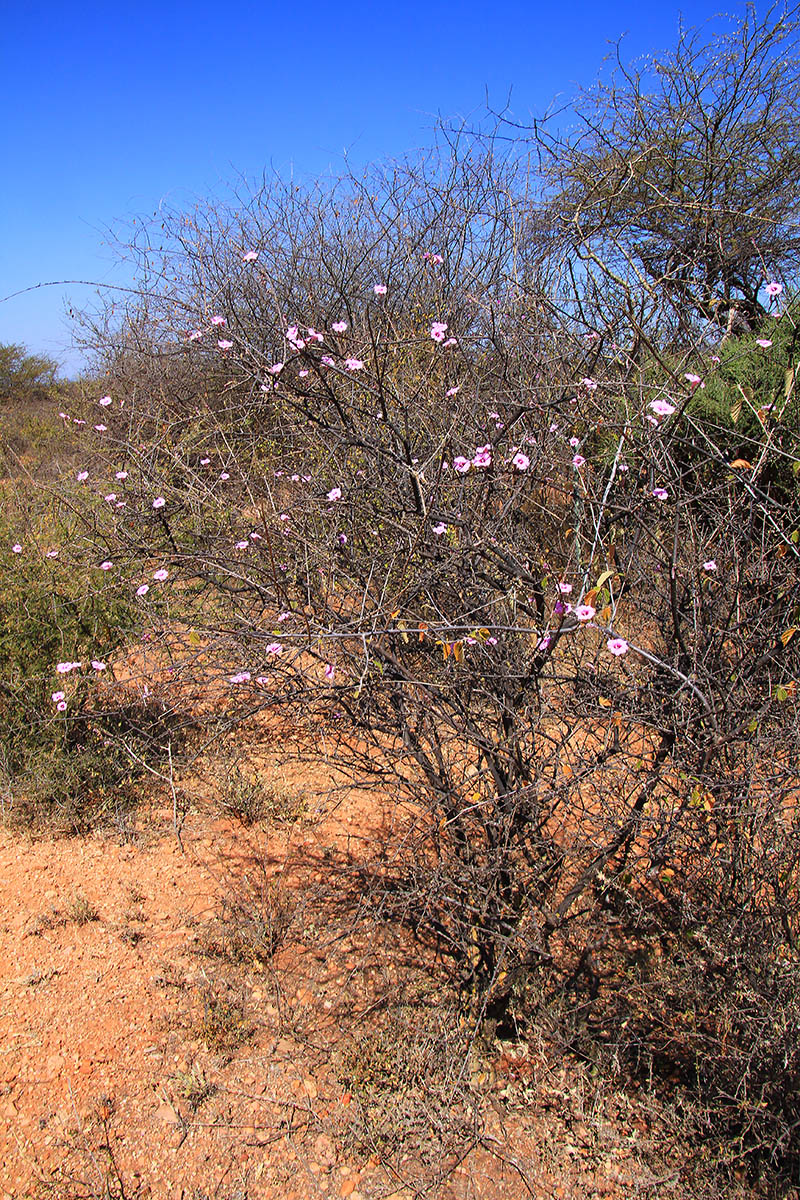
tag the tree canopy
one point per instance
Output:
(681, 171)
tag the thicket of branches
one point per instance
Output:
(474, 468)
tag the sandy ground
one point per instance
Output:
(145, 1052)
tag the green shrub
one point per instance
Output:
(71, 743)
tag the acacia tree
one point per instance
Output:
(22, 373)
(679, 174)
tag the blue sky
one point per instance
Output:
(110, 108)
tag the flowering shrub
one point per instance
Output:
(503, 527)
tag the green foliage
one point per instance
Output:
(22, 373)
(67, 768)
(751, 401)
(51, 610)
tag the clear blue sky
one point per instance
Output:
(108, 108)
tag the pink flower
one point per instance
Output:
(106, 566)
(335, 494)
(97, 665)
(224, 344)
(774, 289)
(353, 364)
(380, 289)
(111, 497)
(161, 574)
(63, 668)
(451, 341)
(242, 545)
(341, 539)
(313, 336)
(82, 476)
(143, 590)
(339, 326)
(710, 565)
(329, 671)
(584, 612)
(159, 502)
(16, 548)
(765, 343)
(439, 529)
(694, 380)
(461, 465)
(617, 646)
(217, 320)
(453, 391)
(483, 457)
(564, 588)
(660, 493)
(104, 401)
(194, 336)
(224, 475)
(275, 648)
(438, 330)
(589, 384)
(578, 461)
(662, 408)
(276, 368)
(327, 361)
(262, 680)
(101, 428)
(121, 475)
(303, 373)
(520, 461)
(256, 537)
(251, 256)
(62, 706)
(56, 696)
(51, 554)
(205, 462)
(240, 677)
(574, 442)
